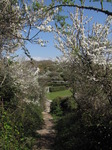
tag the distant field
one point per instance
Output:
(53, 95)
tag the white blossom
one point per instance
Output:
(96, 45)
(19, 22)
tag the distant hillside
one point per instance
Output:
(43, 64)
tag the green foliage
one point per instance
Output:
(37, 6)
(74, 131)
(17, 128)
(57, 88)
(31, 119)
(88, 124)
(60, 21)
(7, 86)
(61, 106)
(59, 83)
(19, 119)
(56, 108)
(11, 133)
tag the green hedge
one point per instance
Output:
(74, 133)
(57, 88)
(32, 119)
(18, 128)
(57, 84)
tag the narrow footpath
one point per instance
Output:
(47, 133)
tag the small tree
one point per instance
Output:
(88, 57)
(88, 63)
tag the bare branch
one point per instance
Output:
(3, 80)
(83, 7)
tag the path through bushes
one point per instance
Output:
(47, 133)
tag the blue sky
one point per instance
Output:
(50, 52)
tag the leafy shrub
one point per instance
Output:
(7, 88)
(11, 133)
(83, 131)
(60, 106)
(57, 88)
(56, 108)
(20, 107)
(31, 119)
(17, 128)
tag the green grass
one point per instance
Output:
(53, 95)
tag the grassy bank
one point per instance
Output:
(53, 95)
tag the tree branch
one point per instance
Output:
(83, 7)
(3, 80)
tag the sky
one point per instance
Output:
(50, 52)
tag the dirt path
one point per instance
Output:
(47, 133)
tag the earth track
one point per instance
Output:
(47, 133)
